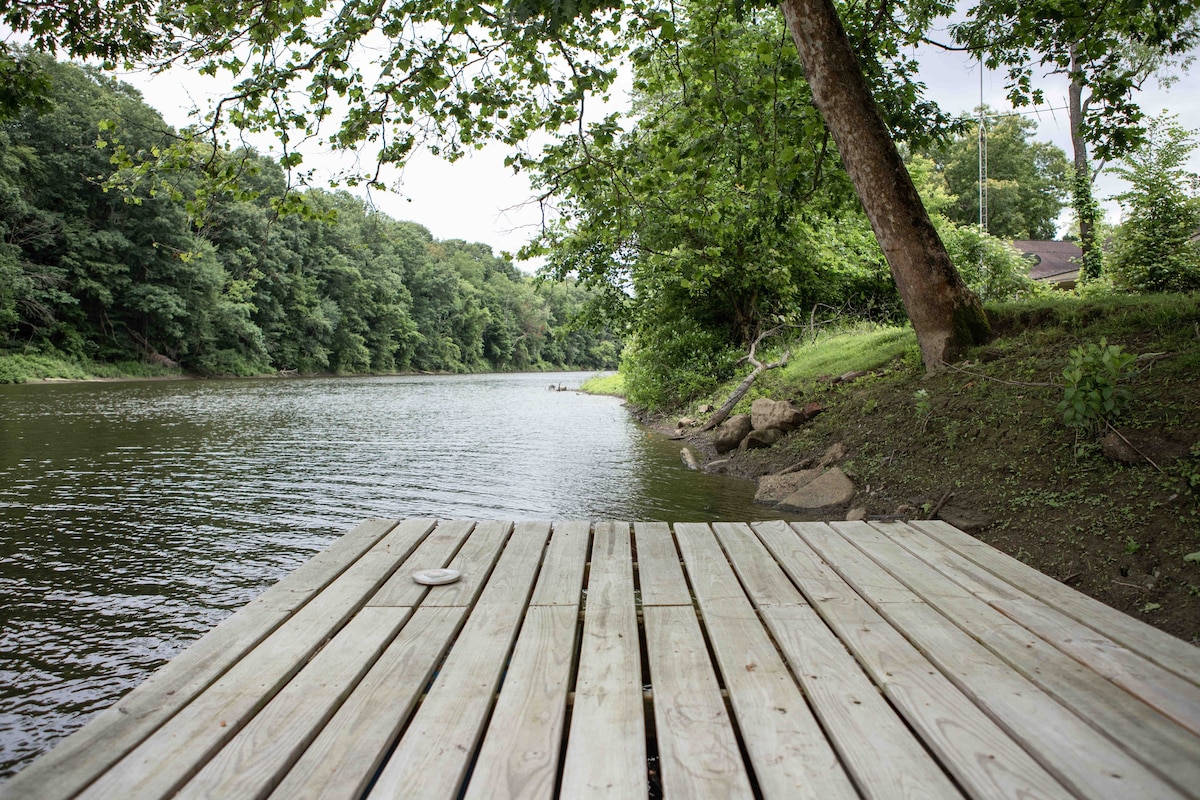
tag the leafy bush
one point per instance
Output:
(22, 368)
(993, 268)
(1153, 251)
(675, 365)
(1093, 395)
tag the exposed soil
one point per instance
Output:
(987, 451)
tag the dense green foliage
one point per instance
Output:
(107, 275)
(1155, 249)
(1026, 179)
(763, 229)
(718, 209)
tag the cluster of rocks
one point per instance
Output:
(766, 424)
(818, 488)
(815, 488)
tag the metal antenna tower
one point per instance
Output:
(983, 166)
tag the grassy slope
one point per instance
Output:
(994, 449)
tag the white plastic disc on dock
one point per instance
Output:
(436, 577)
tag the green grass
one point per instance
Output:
(1112, 314)
(23, 368)
(850, 351)
(605, 384)
(17, 368)
(862, 348)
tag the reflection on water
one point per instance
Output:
(135, 516)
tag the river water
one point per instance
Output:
(134, 516)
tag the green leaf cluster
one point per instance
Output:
(1154, 249)
(1110, 48)
(1027, 181)
(1093, 394)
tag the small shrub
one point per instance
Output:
(991, 267)
(1093, 395)
(924, 409)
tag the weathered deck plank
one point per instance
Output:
(160, 765)
(1170, 694)
(874, 743)
(606, 747)
(81, 758)
(431, 761)
(1156, 741)
(1074, 751)
(788, 752)
(1167, 651)
(520, 752)
(969, 744)
(880, 660)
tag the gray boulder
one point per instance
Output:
(756, 440)
(767, 414)
(774, 488)
(831, 491)
(731, 432)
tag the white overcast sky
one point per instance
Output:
(480, 200)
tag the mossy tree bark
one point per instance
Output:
(946, 315)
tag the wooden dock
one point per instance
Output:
(579, 660)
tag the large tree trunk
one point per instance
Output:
(1081, 186)
(945, 314)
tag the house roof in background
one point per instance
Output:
(1052, 261)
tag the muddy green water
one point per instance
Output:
(135, 516)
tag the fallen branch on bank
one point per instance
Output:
(722, 413)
